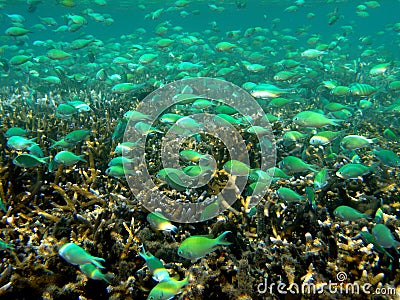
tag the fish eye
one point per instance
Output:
(179, 251)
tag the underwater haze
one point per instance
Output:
(199, 149)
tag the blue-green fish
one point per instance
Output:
(384, 236)
(159, 222)
(156, 267)
(92, 272)
(198, 246)
(76, 255)
(67, 158)
(167, 289)
(348, 213)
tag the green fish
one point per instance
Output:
(278, 173)
(311, 197)
(159, 222)
(15, 131)
(120, 129)
(134, 116)
(362, 89)
(369, 239)
(65, 111)
(289, 195)
(16, 31)
(389, 134)
(321, 179)
(384, 237)
(5, 246)
(76, 255)
(198, 246)
(353, 142)
(237, 168)
(340, 91)
(170, 118)
(122, 161)
(188, 124)
(126, 88)
(3, 206)
(295, 165)
(76, 136)
(348, 213)
(126, 148)
(61, 144)
(225, 109)
(19, 143)
(190, 155)
(387, 157)
(353, 171)
(221, 120)
(378, 215)
(167, 289)
(119, 171)
(93, 273)
(35, 150)
(68, 158)
(258, 130)
(313, 119)
(29, 161)
(293, 136)
(156, 267)
(324, 137)
(173, 177)
(57, 54)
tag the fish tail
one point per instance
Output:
(221, 238)
(336, 122)
(96, 261)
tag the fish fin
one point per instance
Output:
(221, 238)
(96, 261)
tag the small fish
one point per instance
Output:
(387, 157)
(76, 255)
(68, 158)
(6, 246)
(378, 216)
(29, 161)
(76, 136)
(348, 213)
(353, 171)
(167, 289)
(237, 168)
(313, 119)
(369, 239)
(295, 165)
(159, 222)
(19, 143)
(384, 237)
(93, 273)
(353, 142)
(195, 247)
(289, 195)
(155, 266)
(119, 171)
(321, 179)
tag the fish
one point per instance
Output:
(167, 289)
(314, 119)
(197, 246)
(155, 266)
(92, 272)
(348, 213)
(68, 158)
(76, 255)
(159, 222)
(384, 236)
(29, 160)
